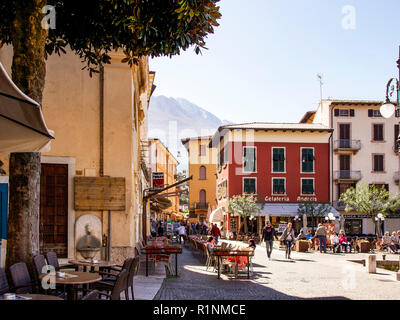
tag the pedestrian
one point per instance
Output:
(268, 235)
(160, 230)
(205, 229)
(197, 228)
(181, 233)
(288, 236)
(320, 233)
(216, 233)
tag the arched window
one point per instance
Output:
(202, 197)
(203, 173)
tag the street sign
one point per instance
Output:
(158, 180)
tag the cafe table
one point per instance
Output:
(161, 251)
(92, 264)
(234, 254)
(72, 279)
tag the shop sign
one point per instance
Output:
(276, 199)
(158, 180)
(307, 199)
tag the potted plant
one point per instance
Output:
(302, 246)
(364, 246)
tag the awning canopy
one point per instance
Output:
(217, 215)
(288, 210)
(22, 126)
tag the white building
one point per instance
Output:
(363, 151)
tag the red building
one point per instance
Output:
(282, 164)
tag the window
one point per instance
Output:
(202, 173)
(378, 165)
(249, 185)
(223, 156)
(307, 160)
(378, 132)
(249, 159)
(278, 159)
(202, 150)
(374, 113)
(344, 112)
(396, 136)
(307, 186)
(278, 186)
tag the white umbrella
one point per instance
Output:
(22, 126)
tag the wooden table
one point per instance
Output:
(40, 297)
(159, 251)
(70, 283)
(86, 263)
(234, 253)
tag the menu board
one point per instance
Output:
(233, 224)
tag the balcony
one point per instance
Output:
(346, 146)
(201, 205)
(347, 176)
(339, 205)
(396, 177)
(396, 148)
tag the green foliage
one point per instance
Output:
(244, 205)
(94, 28)
(370, 200)
(313, 209)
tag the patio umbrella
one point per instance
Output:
(22, 126)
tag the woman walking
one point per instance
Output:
(288, 236)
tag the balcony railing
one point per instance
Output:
(347, 175)
(396, 177)
(348, 145)
(339, 205)
(201, 205)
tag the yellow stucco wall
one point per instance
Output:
(71, 107)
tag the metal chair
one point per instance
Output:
(4, 287)
(119, 286)
(52, 260)
(20, 277)
(133, 270)
(92, 295)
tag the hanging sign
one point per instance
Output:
(158, 180)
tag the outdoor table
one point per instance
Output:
(30, 296)
(233, 253)
(70, 283)
(161, 250)
(87, 263)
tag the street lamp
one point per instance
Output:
(388, 108)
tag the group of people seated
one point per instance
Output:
(391, 242)
(339, 242)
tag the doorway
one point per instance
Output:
(53, 230)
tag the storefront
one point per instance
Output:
(361, 224)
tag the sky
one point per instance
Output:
(262, 61)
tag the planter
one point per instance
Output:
(365, 247)
(301, 246)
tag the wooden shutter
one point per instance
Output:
(396, 135)
(352, 113)
(370, 113)
(336, 112)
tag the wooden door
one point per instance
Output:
(54, 209)
(344, 135)
(344, 160)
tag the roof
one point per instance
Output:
(186, 140)
(267, 126)
(354, 102)
(309, 116)
(165, 147)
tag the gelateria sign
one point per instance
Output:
(287, 199)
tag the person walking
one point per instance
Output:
(288, 236)
(160, 230)
(181, 233)
(268, 235)
(320, 234)
(216, 233)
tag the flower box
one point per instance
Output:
(301, 246)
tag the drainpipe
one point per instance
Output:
(101, 169)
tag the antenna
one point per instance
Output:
(320, 76)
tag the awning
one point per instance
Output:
(217, 215)
(22, 126)
(287, 210)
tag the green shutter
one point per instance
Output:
(307, 160)
(307, 186)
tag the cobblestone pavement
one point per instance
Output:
(306, 276)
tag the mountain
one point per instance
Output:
(171, 119)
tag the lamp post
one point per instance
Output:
(379, 219)
(388, 108)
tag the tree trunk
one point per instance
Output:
(23, 219)
(246, 229)
(377, 227)
(28, 73)
(28, 41)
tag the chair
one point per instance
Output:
(40, 263)
(20, 277)
(4, 288)
(119, 286)
(110, 276)
(92, 295)
(52, 260)
(134, 268)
